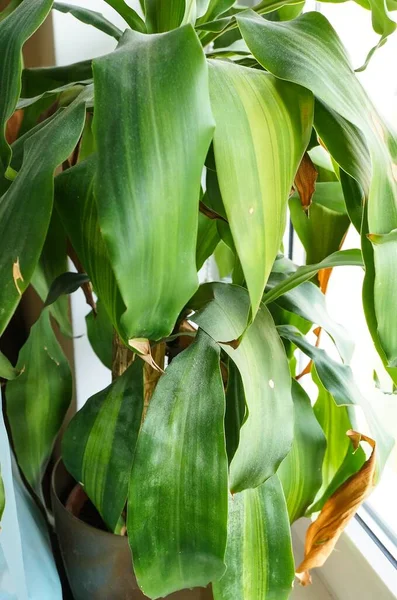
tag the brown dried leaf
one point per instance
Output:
(142, 347)
(305, 181)
(339, 509)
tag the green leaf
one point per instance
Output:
(129, 15)
(26, 207)
(215, 8)
(266, 435)
(235, 409)
(164, 15)
(340, 459)
(177, 504)
(38, 399)
(323, 227)
(53, 262)
(36, 81)
(260, 564)
(287, 50)
(7, 371)
(66, 283)
(14, 31)
(300, 472)
(90, 17)
(75, 202)
(156, 85)
(339, 381)
(99, 443)
(307, 301)
(207, 239)
(100, 334)
(257, 158)
(342, 258)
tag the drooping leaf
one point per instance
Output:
(244, 141)
(307, 301)
(26, 207)
(14, 31)
(66, 283)
(129, 15)
(177, 505)
(339, 381)
(152, 245)
(100, 334)
(266, 434)
(75, 202)
(260, 564)
(287, 50)
(38, 80)
(300, 472)
(382, 24)
(99, 442)
(342, 258)
(90, 17)
(38, 399)
(53, 262)
(339, 509)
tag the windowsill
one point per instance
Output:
(357, 568)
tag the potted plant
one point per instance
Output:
(190, 140)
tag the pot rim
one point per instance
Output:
(123, 539)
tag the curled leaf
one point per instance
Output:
(142, 347)
(339, 509)
(305, 181)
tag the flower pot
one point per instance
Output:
(98, 563)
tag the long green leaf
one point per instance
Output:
(99, 443)
(39, 80)
(159, 130)
(262, 128)
(164, 15)
(26, 207)
(342, 258)
(260, 564)
(235, 409)
(307, 301)
(129, 15)
(38, 399)
(266, 435)
(52, 263)
(339, 381)
(75, 202)
(287, 50)
(89, 17)
(300, 472)
(177, 505)
(14, 31)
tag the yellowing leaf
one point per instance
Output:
(339, 509)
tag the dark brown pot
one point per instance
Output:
(98, 563)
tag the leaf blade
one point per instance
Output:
(155, 291)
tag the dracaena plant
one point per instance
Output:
(190, 140)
